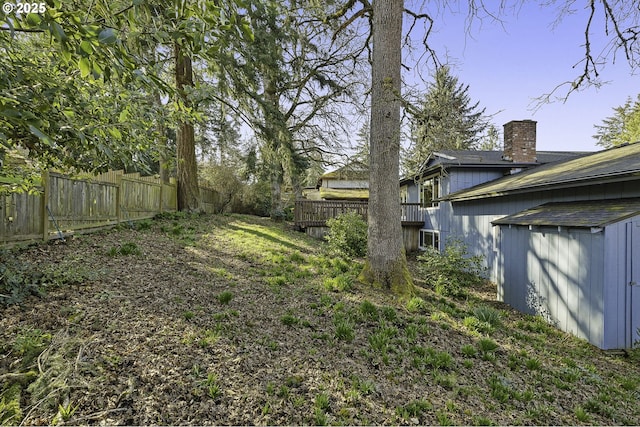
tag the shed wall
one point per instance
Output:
(557, 274)
(622, 267)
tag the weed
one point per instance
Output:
(213, 388)
(271, 388)
(474, 324)
(411, 332)
(430, 358)
(488, 315)
(487, 348)
(379, 342)
(65, 412)
(266, 408)
(368, 309)
(629, 384)
(500, 388)
(289, 320)
(365, 387)
(344, 329)
(283, 392)
(480, 420)
(188, 315)
(415, 408)
(296, 257)
(595, 406)
(389, 314)
(209, 338)
(125, 249)
(320, 417)
(339, 283)
(225, 297)
(533, 364)
(469, 350)
(415, 305)
(322, 402)
(18, 280)
(447, 381)
(443, 419)
(581, 414)
(277, 281)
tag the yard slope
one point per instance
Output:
(235, 320)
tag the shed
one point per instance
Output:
(577, 264)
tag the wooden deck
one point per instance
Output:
(315, 213)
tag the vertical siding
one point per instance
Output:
(560, 274)
(621, 300)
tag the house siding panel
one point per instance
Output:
(557, 274)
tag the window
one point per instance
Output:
(429, 191)
(429, 238)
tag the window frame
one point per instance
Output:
(432, 184)
(435, 239)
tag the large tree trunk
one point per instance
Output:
(386, 262)
(187, 167)
(277, 179)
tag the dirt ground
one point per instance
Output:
(197, 329)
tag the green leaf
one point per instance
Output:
(86, 47)
(115, 133)
(137, 2)
(33, 19)
(41, 135)
(85, 67)
(58, 32)
(107, 36)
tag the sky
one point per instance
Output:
(509, 66)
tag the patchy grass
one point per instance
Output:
(237, 320)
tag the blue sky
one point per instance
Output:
(507, 67)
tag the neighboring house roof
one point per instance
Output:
(587, 213)
(612, 165)
(479, 158)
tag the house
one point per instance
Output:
(350, 182)
(559, 231)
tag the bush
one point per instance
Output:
(452, 271)
(347, 235)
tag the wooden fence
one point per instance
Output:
(66, 205)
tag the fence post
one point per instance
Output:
(119, 198)
(44, 214)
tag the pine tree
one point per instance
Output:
(623, 126)
(447, 120)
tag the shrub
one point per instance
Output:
(347, 235)
(452, 271)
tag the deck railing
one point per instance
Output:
(315, 213)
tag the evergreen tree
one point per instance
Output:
(447, 120)
(623, 126)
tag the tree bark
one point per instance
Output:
(386, 261)
(186, 167)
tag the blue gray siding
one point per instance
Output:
(557, 274)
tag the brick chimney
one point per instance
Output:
(520, 141)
